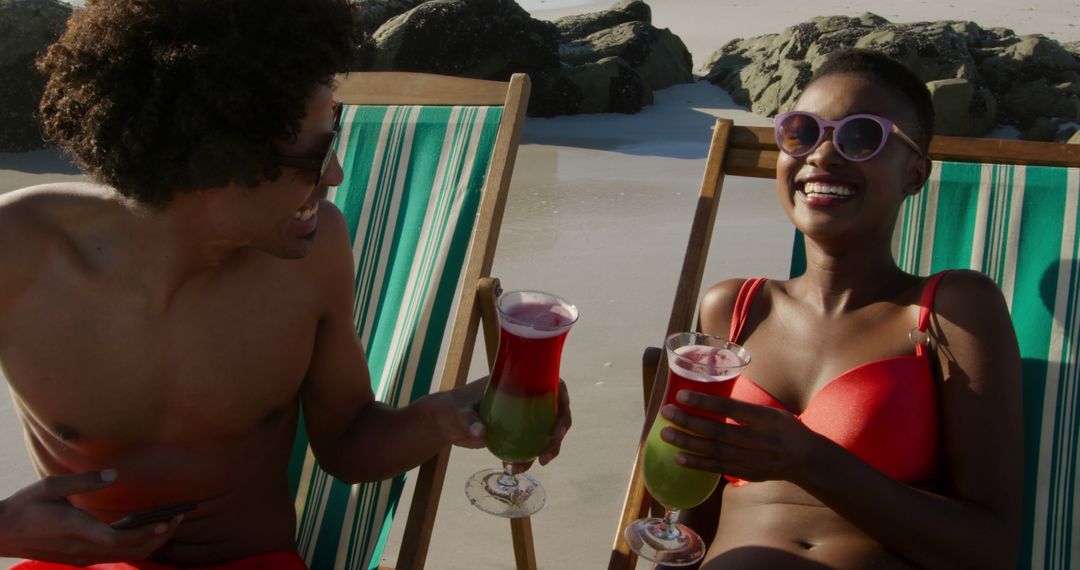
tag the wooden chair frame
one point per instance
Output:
(478, 291)
(752, 152)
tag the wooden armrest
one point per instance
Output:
(650, 363)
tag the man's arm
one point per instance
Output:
(354, 437)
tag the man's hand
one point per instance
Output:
(562, 425)
(456, 419)
(38, 523)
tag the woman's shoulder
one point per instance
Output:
(970, 301)
(966, 288)
(718, 305)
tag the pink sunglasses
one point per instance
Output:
(856, 137)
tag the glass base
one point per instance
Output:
(652, 539)
(507, 496)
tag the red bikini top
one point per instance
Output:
(885, 411)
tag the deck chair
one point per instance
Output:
(1007, 208)
(427, 162)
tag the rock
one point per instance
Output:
(605, 86)
(488, 39)
(582, 25)
(1020, 78)
(374, 13)
(766, 85)
(961, 108)
(1073, 48)
(657, 55)
(27, 28)
(1041, 129)
(1028, 58)
(608, 61)
(1075, 138)
(1024, 102)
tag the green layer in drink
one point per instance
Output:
(519, 428)
(675, 486)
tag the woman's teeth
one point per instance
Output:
(821, 188)
(306, 213)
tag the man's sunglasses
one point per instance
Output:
(318, 165)
(856, 137)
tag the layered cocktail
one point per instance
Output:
(519, 407)
(701, 363)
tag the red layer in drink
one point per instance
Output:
(530, 347)
(702, 369)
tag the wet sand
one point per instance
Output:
(599, 211)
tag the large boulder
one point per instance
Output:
(27, 27)
(608, 61)
(962, 108)
(658, 55)
(606, 86)
(488, 39)
(374, 13)
(1035, 77)
(582, 25)
(1031, 82)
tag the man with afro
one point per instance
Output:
(162, 329)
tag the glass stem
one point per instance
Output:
(507, 478)
(668, 529)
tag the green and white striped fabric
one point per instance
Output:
(413, 181)
(1017, 224)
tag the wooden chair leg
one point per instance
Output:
(489, 290)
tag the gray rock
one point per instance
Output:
(1030, 57)
(375, 13)
(659, 56)
(961, 108)
(372, 15)
(579, 26)
(1073, 48)
(489, 39)
(27, 28)
(606, 86)
(1023, 77)
(1027, 101)
(1041, 129)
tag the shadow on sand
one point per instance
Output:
(675, 126)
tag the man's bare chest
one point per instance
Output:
(102, 363)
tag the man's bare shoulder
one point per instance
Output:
(46, 203)
(330, 261)
(32, 223)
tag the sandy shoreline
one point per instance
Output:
(598, 212)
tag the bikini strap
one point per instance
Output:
(745, 298)
(926, 306)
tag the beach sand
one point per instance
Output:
(599, 211)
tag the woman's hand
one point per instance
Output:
(766, 444)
